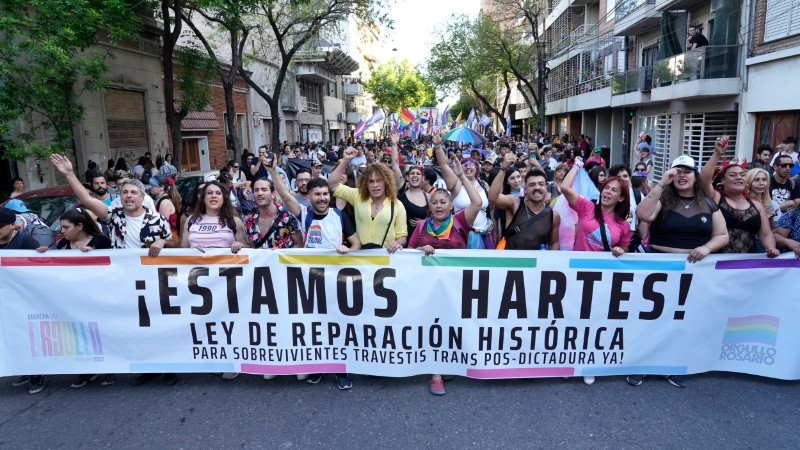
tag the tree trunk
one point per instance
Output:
(275, 138)
(170, 34)
(232, 140)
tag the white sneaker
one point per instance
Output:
(302, 376)
(588, 380)
(269, 377)
(230, 375)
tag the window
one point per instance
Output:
(701, 130)
(662, 140)
(782, 19)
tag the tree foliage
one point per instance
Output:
(285, 27)
(45, 66)
(396, 84)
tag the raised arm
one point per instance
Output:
(283, 191)
(450, 179)
(398, 174)
(566, 186)
(64, 165)
(333, 180)
(707, 174)
(496, 196)
(647, 210)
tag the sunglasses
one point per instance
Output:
(235, 167)
(786, 165)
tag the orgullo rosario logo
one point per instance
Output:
(751, 339)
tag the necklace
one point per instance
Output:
(10, 240)
(686, 206)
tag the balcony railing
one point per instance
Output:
(640, 79)
(626, 7)
(580, 35)
(705, 63)
(589, 84)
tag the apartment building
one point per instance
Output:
(619, 68)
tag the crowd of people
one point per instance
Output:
(429, 195)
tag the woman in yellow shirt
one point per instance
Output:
(380, 218)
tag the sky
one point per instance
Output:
(418, 23)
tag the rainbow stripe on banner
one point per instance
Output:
(752, 330)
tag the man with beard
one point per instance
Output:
(132, 226)
(531, 222)
(324, 227)
(301, 179)
(100, 189)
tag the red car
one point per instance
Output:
(49, 203)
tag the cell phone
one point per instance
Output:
(270, 159)
(532, 155)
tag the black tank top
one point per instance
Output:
(682, 227)
(743, 226)
(413, 211)
(536, 234)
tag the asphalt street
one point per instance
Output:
(716, 410)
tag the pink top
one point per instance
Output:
(456, 240)
(208, 232)
(587, 237)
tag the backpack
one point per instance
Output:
(36, 229)
(146, 175)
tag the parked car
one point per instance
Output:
(49, 203)
(188, 181)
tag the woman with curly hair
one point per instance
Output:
(380, 217)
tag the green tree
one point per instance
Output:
(460, 62)
(396, 84)
(231, 19)
(286, 27)
(45, 65)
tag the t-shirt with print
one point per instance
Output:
(208, 232)
(136, 232)
(588, 238)
(328, 231)
(278, 236)
(782, 192)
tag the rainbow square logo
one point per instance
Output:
(760, 329)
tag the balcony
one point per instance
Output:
(671, 5)
(707, 71)
(308, 106)
(640, 79)
(634, 17)
(314, 72)
(353, 117)
(705, 63)
(353, 89)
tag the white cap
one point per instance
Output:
(684, 160)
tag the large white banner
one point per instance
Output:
(482, 314)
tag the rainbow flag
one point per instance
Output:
(406, 116)
(761, 329)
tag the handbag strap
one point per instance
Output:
(513, 231)
(603, 236)
(391, 219)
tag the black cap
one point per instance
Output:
(7, 216)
